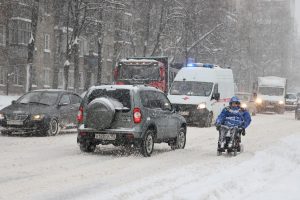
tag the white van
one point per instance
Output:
(200, 92)
(271, 92)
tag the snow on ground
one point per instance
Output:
(54, 168)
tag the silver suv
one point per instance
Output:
(128, 115)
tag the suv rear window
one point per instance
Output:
(121, 95)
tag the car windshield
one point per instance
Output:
(291, 96)
(191, 88)
(139, 72)
(271, 91)
(47, 98)
(121, 95)
(244, 97)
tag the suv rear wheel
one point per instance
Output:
(147, 143)
(180, 140)
(87, 147)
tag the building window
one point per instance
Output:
(46, 7)
(81, 47)
(81, 80)
(33, 77)
(2, 76)
(47, 77)
(93, 79)
(46, 42)
(60, 79)
(71, 79)
(2, 35)
(20, 31)
(17, 76)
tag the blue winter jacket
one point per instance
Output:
(234, 116)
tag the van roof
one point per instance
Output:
(204, 74)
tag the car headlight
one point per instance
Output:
(201, 106)
(258, 101)
(37, 117)
(2, 116)
(295, 103)
(244, 105)
(281, 102)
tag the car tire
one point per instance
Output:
(281, 111)
(54, 128)
(235, 152)
(87, 147)
(6, 133)
(219, 153)
(147, 145)
(180, 140)
(208, 121)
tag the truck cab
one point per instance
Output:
(201, 91)
(145, 71)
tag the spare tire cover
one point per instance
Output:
(100, 113)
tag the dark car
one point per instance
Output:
(126, 115)
(42, 112)
(291, 101)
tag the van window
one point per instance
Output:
(191, 88)
(271, 91)
(216, 89)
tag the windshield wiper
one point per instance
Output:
(39, 103)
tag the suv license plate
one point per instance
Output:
(184, 113)
(105, 136)
(15, 122)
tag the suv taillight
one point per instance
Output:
(80, 115)
(137, 115)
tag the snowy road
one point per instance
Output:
(54, 168)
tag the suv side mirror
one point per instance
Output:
(216, 96)
(13, 102)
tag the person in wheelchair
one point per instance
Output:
(234, 119)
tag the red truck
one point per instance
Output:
(153, 71)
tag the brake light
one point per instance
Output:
(137, 115)
(80, 115)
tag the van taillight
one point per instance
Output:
(137, 115)
(80, 115)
